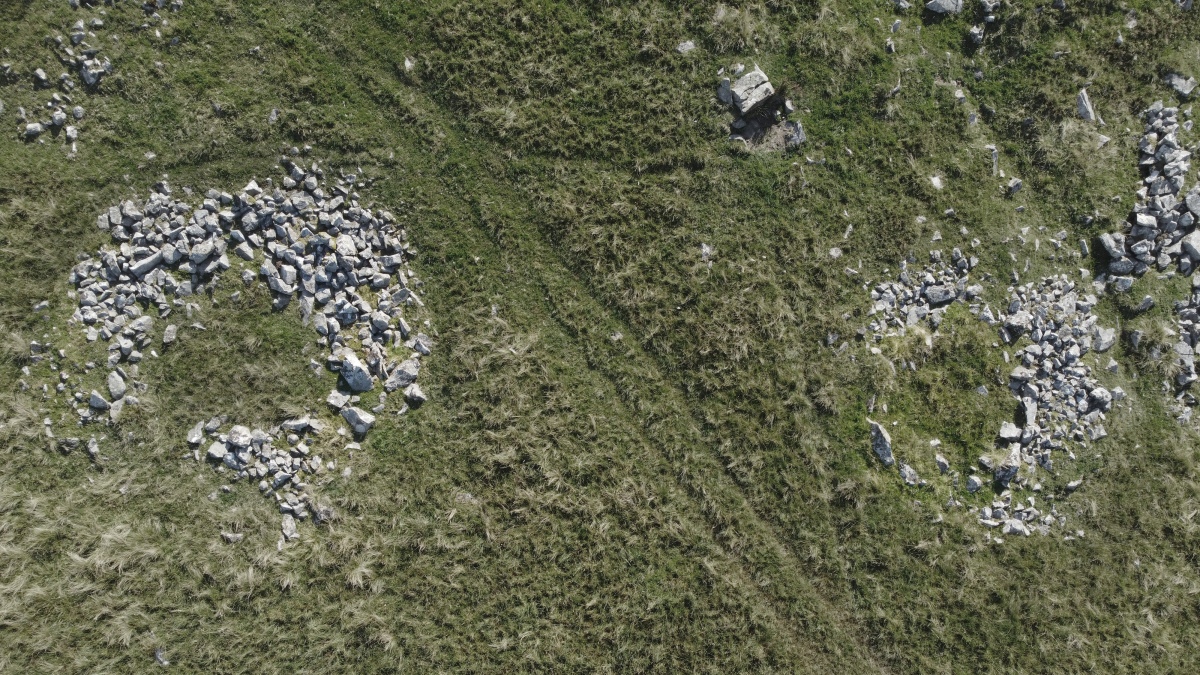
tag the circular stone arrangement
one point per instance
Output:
(1060, 402)
(345, 266)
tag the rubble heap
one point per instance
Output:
(346, 265)
(1021, 517)
(279, 459)
(1188, 313)
(1160, 230)
(923, 296)
(1060, 401)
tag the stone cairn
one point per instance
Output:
(756, 107)
(346, 267)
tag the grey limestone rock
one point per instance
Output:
(359, 420)
(1182, 85)
(239, 436)
(751, 89)
(881, 443)
(196, 434)
(944, 6)
(216, 451)
(288, 527)
(116, 385)
(357, 377)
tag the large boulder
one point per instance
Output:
(944, 6)
(751, 89)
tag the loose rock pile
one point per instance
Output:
(1060, 400)
(1161, 228)
(348, 268)
(923, 296)
(1188, 312)
(84, 57)
(345, 265)
(61, 113)
(279, 459)
(1021, 517)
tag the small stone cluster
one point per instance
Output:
(1188, 317)
(1060, 401)
(1161, 228)
(923, 296)
(756, 107)
(988, 7)
(58, 120)
(83, 56)
(1023, 517)
(881, 443)
(62, 115)
(280, 459)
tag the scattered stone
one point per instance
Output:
(289, 527)
(216, 451)
(881, 443)
(1009, 432)
(116, 385)
(685, 47)
(196, 434)
(359, 420)
(337, 400)
(1182, 85)
(414, 395)
(355, 373)
(232, 537)
(1084, 105)
(239, 436)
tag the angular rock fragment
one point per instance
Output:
(881, 443)
(751, 89)
(944, 6)
(359, 420)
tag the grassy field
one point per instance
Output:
(696, 494)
